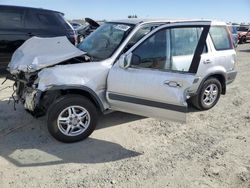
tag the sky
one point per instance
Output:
(223, 10)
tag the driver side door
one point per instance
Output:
(154, 76)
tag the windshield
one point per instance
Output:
(102, 43)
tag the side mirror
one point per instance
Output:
(125, 60)
(136, 60)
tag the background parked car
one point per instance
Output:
(234, 33)
(18, 24)
(243, 33)
(84, 30)
(75, 25)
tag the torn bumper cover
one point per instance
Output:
(31, 99)
(37, 53)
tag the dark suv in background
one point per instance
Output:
(18, 24)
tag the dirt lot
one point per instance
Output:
(211, 150)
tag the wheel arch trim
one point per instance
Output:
(82, 90)
(214, 74)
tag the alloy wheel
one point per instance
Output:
(73, 120)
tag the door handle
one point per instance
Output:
(207, 61)
(173, 83)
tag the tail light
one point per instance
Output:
(73, 37)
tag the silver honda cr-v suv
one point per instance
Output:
(145, 67)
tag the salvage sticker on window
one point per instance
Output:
(122, 27)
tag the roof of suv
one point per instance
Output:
(29, 8)
(136, 21)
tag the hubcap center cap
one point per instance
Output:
(75, 121)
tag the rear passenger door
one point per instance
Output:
(163, 67)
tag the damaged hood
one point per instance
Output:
(38, 53)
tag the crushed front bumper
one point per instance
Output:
(32, 99)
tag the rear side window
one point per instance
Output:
(39, 20)
(220, 38)
(47, 19)
(11, 19)
(184, 40)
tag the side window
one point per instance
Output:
(11, 19)
(171, 49)
(152, 53)
(143, 31)
(183, 45)
(184, 41)
(220, 38)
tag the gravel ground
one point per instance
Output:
(211, 150)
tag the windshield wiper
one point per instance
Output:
(89, 57)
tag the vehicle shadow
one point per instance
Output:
(246, 50)
(191, 108)
(25, 141)
(116, 118)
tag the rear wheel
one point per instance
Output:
(208, 95)
(243, 40)
(72, 118)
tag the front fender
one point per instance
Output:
(85, 77)
(78, 89)
(92, 75)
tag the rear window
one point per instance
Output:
(47, 19)
(41, 20)
(220, 38)
(63, 21)
(243, 28)
(11, 19)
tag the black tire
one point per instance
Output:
(242, 40)
(197, 101)
(63, 103)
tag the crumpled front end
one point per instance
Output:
(33, 56)
(37, 90)
(41, 64)
(38, 53)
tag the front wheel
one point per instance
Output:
(209, 94)
(72, 118)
